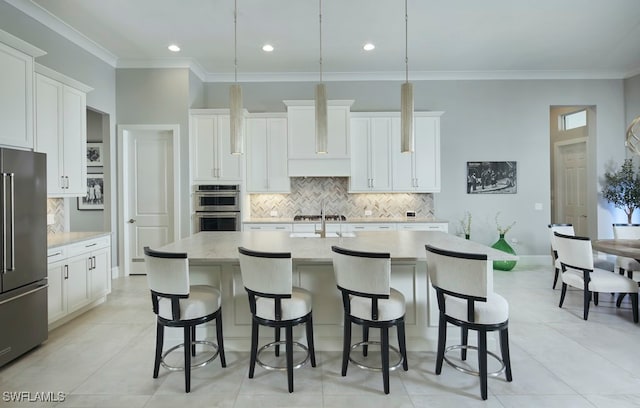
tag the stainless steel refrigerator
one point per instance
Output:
(23, 252)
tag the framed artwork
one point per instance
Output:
(94, 199)
(94, 154)
(496, 177)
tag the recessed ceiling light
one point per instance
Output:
(368, 47)
(174, 48)
(267, 48)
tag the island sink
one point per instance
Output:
(317, 235)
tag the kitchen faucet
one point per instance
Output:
(323, 223)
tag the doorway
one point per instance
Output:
(149, 190)
(570, 165)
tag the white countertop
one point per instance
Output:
(289, 220)
(402, 245)
(65, 238)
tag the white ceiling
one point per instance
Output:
(447, 39)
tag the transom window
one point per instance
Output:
(573, 120)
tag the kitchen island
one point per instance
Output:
(213, 259)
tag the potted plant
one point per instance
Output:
(622, 188)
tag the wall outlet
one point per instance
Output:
(514, 240)
(537, 206)
(273, 213)
(367, 213)
(51, 219)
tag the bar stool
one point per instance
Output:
(464, 287)
(275, 302)
(177, 304)
(368, 300)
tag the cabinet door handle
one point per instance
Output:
(66, 271)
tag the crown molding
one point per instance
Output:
(164, 63)
(47, 19)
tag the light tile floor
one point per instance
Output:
(104, 359)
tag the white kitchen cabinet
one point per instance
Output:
(423, 226)
(267, 155)
(370, 154)
(16, 91)
(418, 171)
(211, 158)
(61, 132)
(79, 277)
(303, 159)
(248, 226)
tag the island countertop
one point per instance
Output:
(402, 245)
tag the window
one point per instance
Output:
(573, 120)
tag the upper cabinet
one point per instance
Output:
(370, 153)
(267, 154)
(61, 132)
(16, 91)
(418, 171)
(301, 125)
(211, 158)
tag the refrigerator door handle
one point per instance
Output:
(11, 266)
(4, 223)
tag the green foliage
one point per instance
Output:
(622, 188)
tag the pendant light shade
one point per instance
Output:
(406, 118)
(322, 137)
(237, 119)
(321, 119)
(406, 97)
(236, 113)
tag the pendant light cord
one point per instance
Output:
(320, 20)
(235, 40)
(406, 42)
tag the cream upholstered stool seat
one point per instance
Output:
(464, 288)
(363, 278)
(576, 259)
(177, 304)
(275, 302)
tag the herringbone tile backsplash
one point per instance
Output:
(307, 194)
(55, 206)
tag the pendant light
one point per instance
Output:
(235, 95)
(406, 96)
(321, 104)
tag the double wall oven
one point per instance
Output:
(217, 207)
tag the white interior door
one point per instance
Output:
(571, 182)
(150, 186)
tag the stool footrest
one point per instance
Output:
(282, 368)
(468, 371)
(204, 363)
(372, 368)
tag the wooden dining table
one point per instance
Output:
(620, 247)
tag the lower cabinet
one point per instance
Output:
(79, 274)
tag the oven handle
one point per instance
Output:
(226, 193)
(218, 214)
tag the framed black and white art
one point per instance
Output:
(492, 177)
(94, 154)
(94, 199)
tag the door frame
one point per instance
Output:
(123, 185)
(558, 182)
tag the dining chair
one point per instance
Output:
(566, 229)
(576, 260)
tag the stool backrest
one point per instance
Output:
(460, 274)
(362, 272)
(266, 272)
(574, 251)
(626, 231)
(167, 272)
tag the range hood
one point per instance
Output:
(303, 160)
